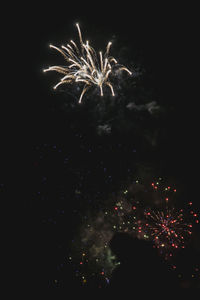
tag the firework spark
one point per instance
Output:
(168, 228)
(85, 66)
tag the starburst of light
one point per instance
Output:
(85, 66)
(168, 226)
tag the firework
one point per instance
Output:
(85, 66)
(164, 224)
(169, 227)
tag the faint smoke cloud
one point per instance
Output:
(151, 107)
(103, 129)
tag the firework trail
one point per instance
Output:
(85, 66)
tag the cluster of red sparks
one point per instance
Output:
(169, 227)
(166, 225)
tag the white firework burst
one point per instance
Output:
(85, 66)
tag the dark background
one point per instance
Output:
(41, 133)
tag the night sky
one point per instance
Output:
(71, 158)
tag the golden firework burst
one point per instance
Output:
(84, 65)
